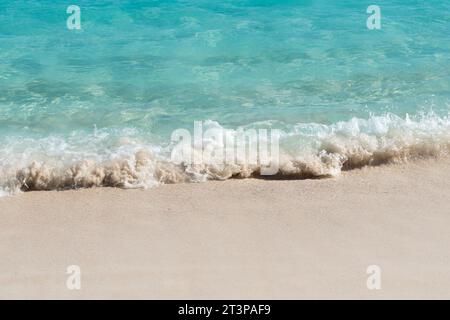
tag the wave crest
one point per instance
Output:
(306, 151)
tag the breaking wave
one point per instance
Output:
(126, 160)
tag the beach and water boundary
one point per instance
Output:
(96, 203)
(302, 151)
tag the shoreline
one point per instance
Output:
(236, 239)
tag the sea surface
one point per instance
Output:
(97, 106)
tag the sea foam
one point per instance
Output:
(125, 160)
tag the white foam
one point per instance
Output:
(124, 160)
(4, 193)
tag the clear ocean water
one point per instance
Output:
(97, 106)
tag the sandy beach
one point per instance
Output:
(250, 239)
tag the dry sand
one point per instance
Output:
(252, 239)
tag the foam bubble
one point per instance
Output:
(306, 150)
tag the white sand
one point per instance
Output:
(252, 239)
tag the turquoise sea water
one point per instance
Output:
(75, 105)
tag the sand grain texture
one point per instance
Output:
(252, 239)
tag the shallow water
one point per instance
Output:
(97, 106)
